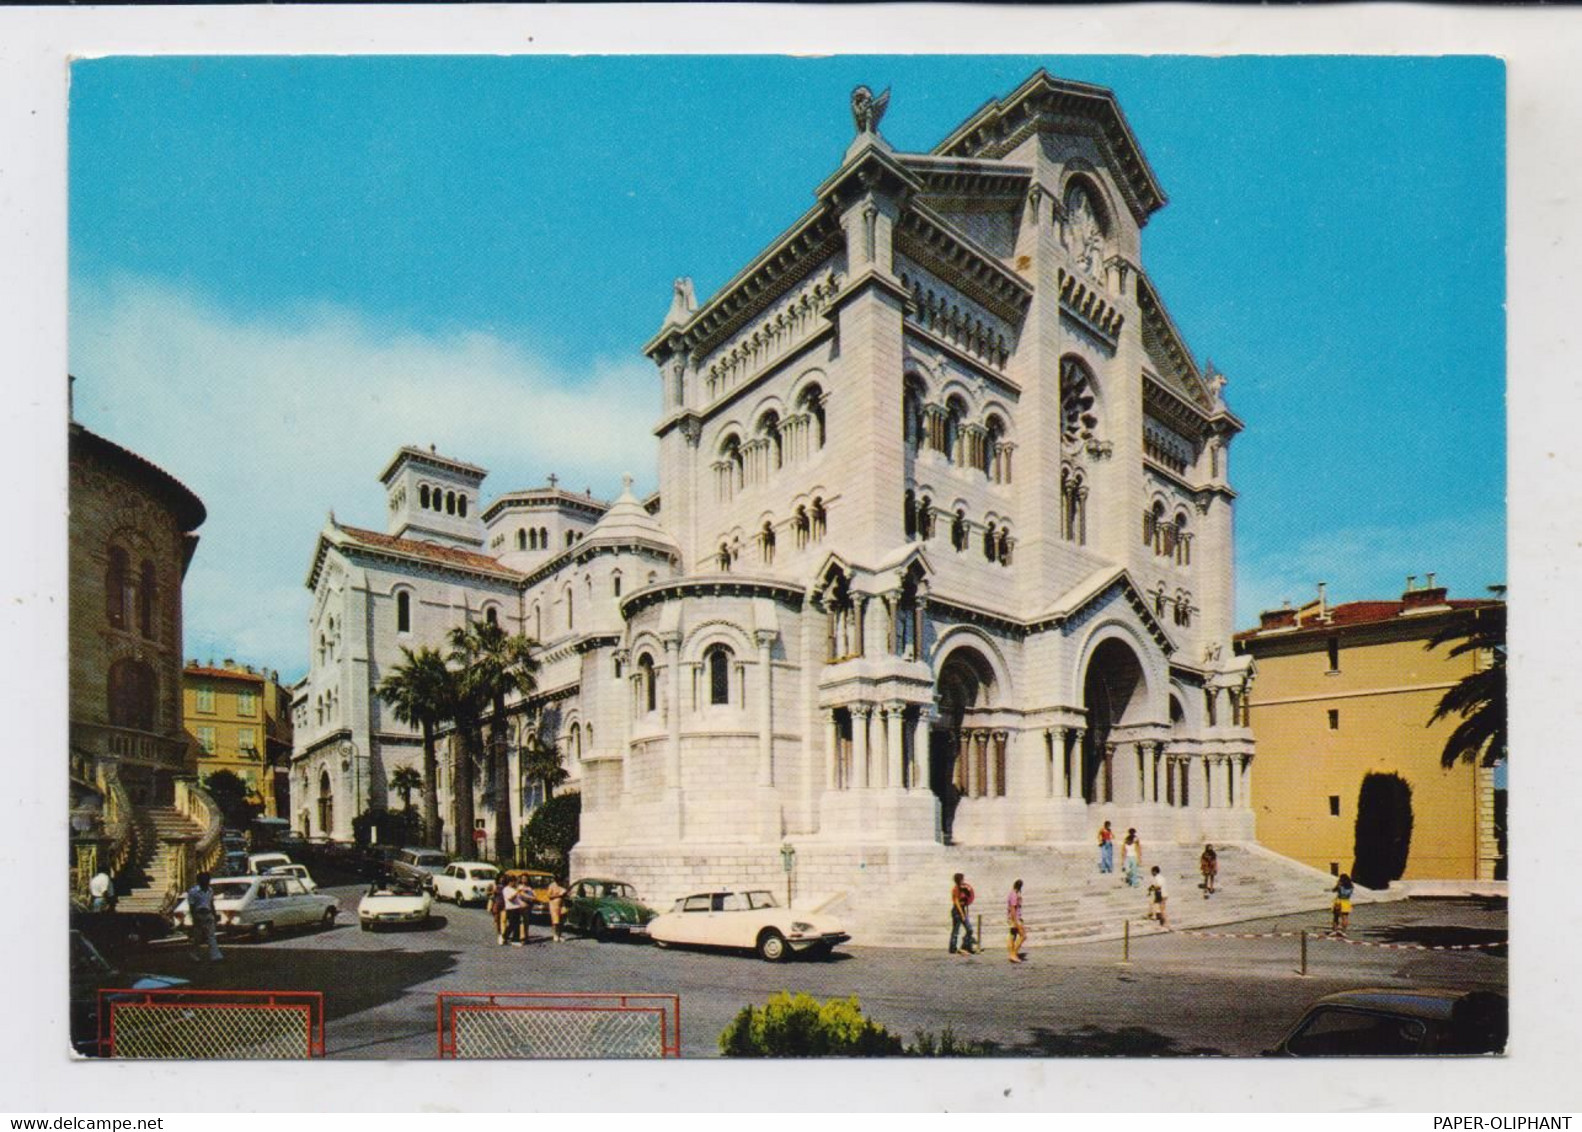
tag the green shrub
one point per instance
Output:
(925, 1044)
(551, 833)
(799, 1026)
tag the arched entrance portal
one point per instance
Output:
(965, 684)
(1112, 688)
(326, 805)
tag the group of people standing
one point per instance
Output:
(511, 902)
(1132, 863)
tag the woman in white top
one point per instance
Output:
(1131, 857)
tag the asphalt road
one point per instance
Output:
(1180, 995)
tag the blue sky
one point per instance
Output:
(284, 268)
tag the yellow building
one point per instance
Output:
(1348, 775)
(239, 719)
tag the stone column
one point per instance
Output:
(922, 763)
(1246, 782)
(859, 743)
(1002, 768)
(895, 774)
(672, 643)
(981, 763)
(834, 749)
(766, 700)
(1073, 767)
(1109, 772)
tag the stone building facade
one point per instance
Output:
(239, 719)
(941, 555)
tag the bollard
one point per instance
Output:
(1126, 943)
(980, 931)
(1303, 972)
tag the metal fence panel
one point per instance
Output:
(201, 1025)
(528, 1025)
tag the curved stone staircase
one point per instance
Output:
(146, 882)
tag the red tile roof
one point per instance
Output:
(222, 673)
(1355, 613)
(449, 555)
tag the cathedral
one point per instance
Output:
(941, 556)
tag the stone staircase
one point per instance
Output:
(1065, 899)
(145, 883)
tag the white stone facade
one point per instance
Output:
(944, 553)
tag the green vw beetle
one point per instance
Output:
(605, 908)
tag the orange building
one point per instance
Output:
(1348, 775)
(239, 719)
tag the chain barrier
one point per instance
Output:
(554, 1025)
(198, 1025)
(1339, 937)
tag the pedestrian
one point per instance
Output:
(1340, 910)
(1013, 916)
(961, 898)
(101, 892)
(497, 907)
(556, 896)
(1106, 849)
(517, 902)
(1131, 857)
(201, 928)
(1208, 865)
(1157, 895)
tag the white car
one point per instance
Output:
(749, 919)
(262, 904)
(394, 903)
(464, 881)
(298, 871)
(260, 863)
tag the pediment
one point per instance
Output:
(1101, 588)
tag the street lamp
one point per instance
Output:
(787, 861)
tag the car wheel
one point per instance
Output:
(662, 944)
(601, 930)
(329, 918)
(772, 946)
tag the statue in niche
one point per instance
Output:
(1084, 235)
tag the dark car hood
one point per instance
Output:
(633, 909)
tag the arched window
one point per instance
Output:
(800, 527)
(769, 429)
(571, 619)
(912, 428)
(955, 441)
(719, 662)
(925, 518)
(991, 542)
(521, 539)
(422, 496)
(117, 581)
(995, 464)
(145, 601)
(650, 693)
(766, 543)
(1078, 422)
(724, 558)
(812, 403)
(571, 537)
(1005, 546)
(1182, 541)
(461, 506)
(450, 503)
(909, 513)
(492, 616)
(538, 622)
(543, 538)
(403, 611)
(615, 583)
(819, 519)
(958, 530)
(1157, 526)
(132, 694)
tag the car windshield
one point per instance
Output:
(485, 872)
(431, 860)
(85, 958)
(761, 899)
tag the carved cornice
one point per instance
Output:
(931, 240)
(720, 585)
(1046, 104)
(1088, 307)
(1163, 340)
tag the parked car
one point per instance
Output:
(233, 864)
(602, 908)
(298, 871)
(749, 919)
(261, 904)
(1392, 1023)
(260, 863)
(91, 972)
(421, 865)
(465, 881)
(114, 933)
(394, 902)
(234, 840)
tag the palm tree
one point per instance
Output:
(541, 764)
(1478, 697)
(420, 693)
(405, 780)
(492, 665)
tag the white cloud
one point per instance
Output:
(275, 419)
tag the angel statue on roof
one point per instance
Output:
(866, 110)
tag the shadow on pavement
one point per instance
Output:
(1438, 935)
(341, 975)
(1096, 1041)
